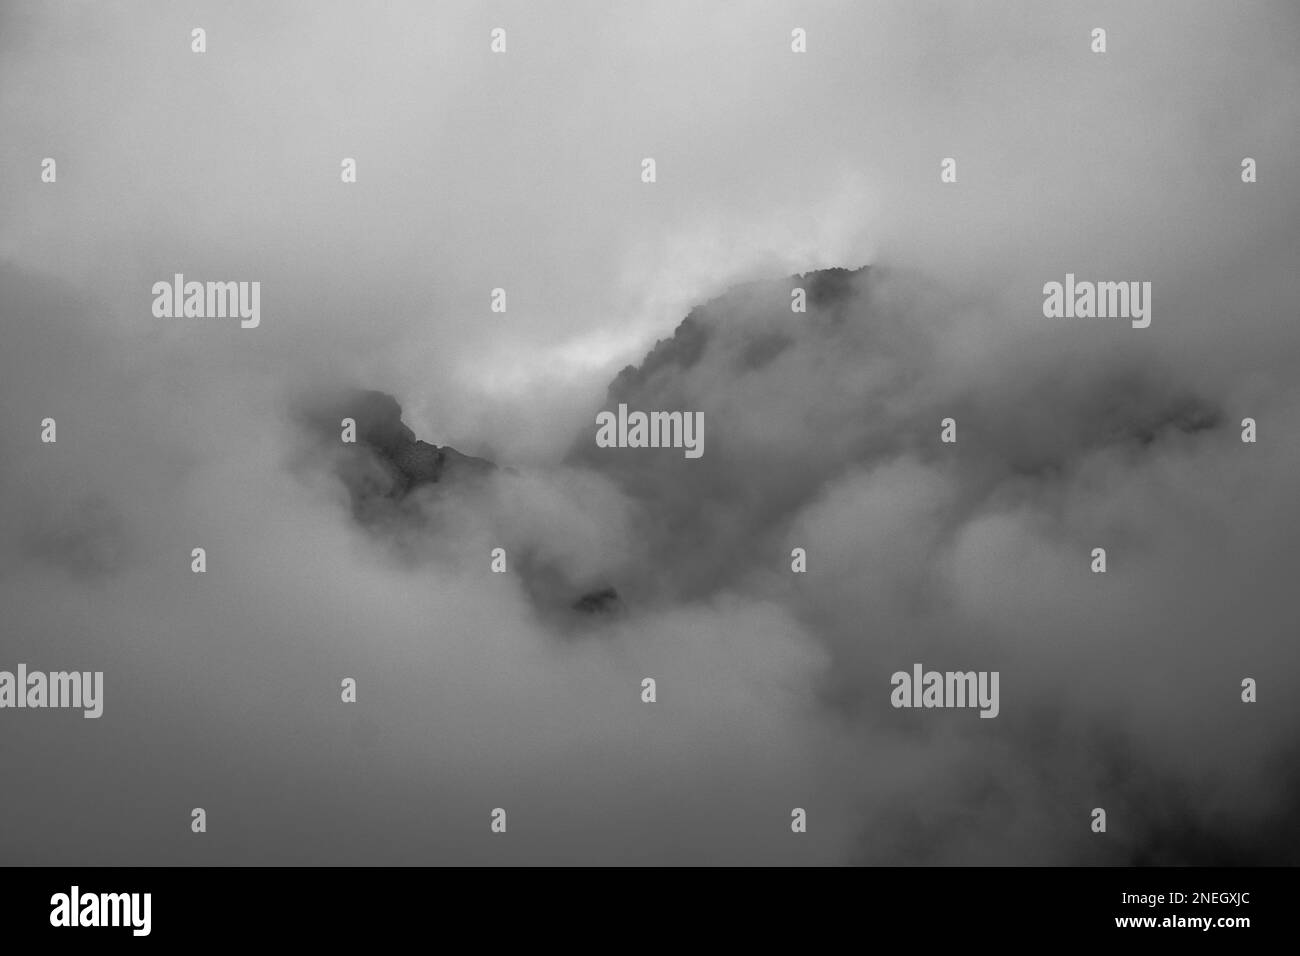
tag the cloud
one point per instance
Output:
(479, 690)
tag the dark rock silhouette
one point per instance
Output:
(388, 463)
(411, 462)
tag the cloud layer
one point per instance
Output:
(478, 690)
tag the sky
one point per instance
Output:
(521, 171)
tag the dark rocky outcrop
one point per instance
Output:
(409, 461)
(388, 463)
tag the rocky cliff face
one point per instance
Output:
(795, 403)
(721, 339)
(387, 465)
(406, 462)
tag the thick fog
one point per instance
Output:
(522, 171)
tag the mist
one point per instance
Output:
(477, 689)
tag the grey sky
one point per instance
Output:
(522, 171)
